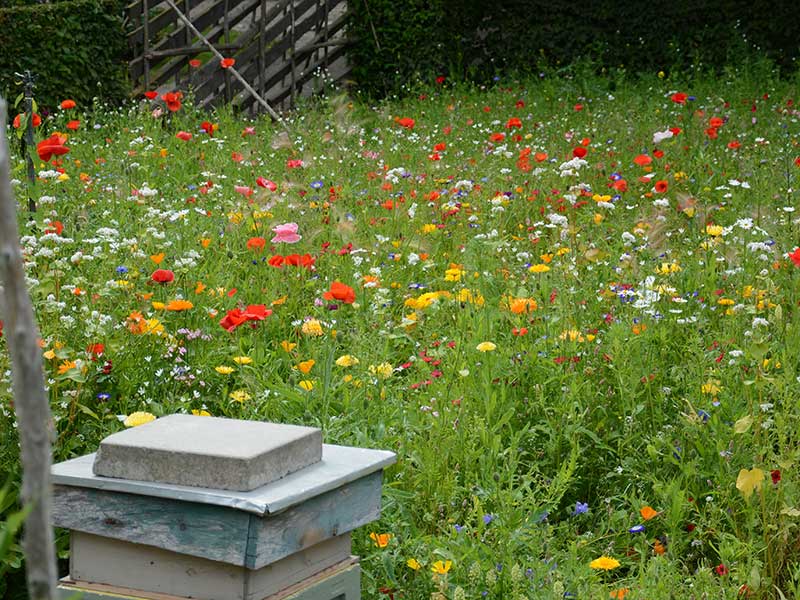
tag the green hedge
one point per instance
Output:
(477, 39)
(71, 46)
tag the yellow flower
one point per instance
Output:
(413, 563)
(747, 481)
(453, 274)
(441, 567)
(159, 305)
(711, 387)
(573, 335)
(606, 563)
(486, 347)
(347, 360)
(224, 370)
(429, 228)
(138, 418)
(49, 355)
(242, 360)
(539, 268)
(383, 370)
(714, 230)
(240, 396)
(200, 413)
(307, 385)
(306, 366)
(312, 327)
(381, 539)
(288, 346)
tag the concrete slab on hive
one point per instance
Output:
(208, 452)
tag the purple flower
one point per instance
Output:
(580, 508)
(487, 519)
(636, 529)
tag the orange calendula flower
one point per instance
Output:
(157, 258)
(179, 305)
(381, 539)
(306, 366)
(648, 513)
(67, 365)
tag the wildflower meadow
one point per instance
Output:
(570, 305)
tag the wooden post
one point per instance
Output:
(146, 49)
(30, 400)
(292, 48)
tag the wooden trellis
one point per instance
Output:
(280, 46)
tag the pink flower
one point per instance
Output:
(244, 190)
(285, 233)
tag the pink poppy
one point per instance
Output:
(285, 233)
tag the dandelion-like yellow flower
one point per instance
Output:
(307, 385)
(539, 268)
(200, 413)
(441, 567)
(242, 360)
(288, 346)
(413, 563)
(605, 563)
(486, 347)
(312, 328)
(138, 418)
(383, 370)
(347, 360)
(239, 396)
(224, 370)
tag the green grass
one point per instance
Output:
(651, 363)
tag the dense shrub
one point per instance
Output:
(475, 39)
(76, 48)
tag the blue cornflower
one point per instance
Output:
(580, 508)
(636, 529)
(317, 184)
(122, 269)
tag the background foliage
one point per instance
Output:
(76, 49)
(474, 39)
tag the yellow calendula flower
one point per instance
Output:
(454, 274)
(49, 355)
(239, 396)
(347, 360)
(200, 413)
(486, 347)
(539, 268)
(383, 370)
(413, 563)
(288, 346)
(224, 369)
(442, 567)
(138, 418)
(605, 563)
(158, 305)
(711, 387)
(179, 305)
(67, 365)
(312, 328)
(307, 385)
(242, 360)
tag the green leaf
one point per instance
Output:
(88, 411)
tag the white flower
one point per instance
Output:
(660, 136)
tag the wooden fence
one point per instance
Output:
(280, 47)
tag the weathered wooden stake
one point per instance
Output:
(30, 399)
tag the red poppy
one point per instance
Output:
(209, 127)
(266, 183)
(712, 133)
(74, 125)
(67, 104)
(716, 122)
(194, 63)
(797, 161)
(514, 122)
(721, 570)
(297, 260)
(643, 160)
(256, 244)
(679, 98)
(734, 145)
(294, 163)
(775, 474)
(658, 153)
(237, 316)
(440, 147)
(795, 257)
(55, 227)
(227, 63)
(661, 186)
(675, 130)
(497, 137)
(579, 152)
(151, 95)
(37, 120)
(172, 100)
(276, 261)
(183, 135)
(340, 291)
(406, 122)
(540, 156)
(95, 350)
(54, 145)
(162, 276)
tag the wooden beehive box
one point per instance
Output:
(151, 538)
